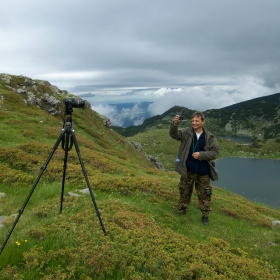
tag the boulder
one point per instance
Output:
(155, 162)
(5, 77)
(152, 159)
(2, 194)
(2, 218)
(106, 121)
(73, 194)
(276, 223)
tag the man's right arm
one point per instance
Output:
(173, 129)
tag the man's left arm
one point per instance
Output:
(211, 152)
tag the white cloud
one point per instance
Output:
(208, 97)
(109, 111)
(122, 116)
(104, 109)
(164, 91)
(138, 121)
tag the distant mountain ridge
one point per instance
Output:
(257, 118)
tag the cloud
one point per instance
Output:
(85, 95)
(109, 111)
(207, 97)
(121, 115)
(221, 51)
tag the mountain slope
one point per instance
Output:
(257, 118)
(145, 238)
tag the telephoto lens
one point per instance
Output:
(78, 103)
(71, 103)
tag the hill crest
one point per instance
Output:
(257, 118)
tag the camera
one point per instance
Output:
(72, 102)
(181, 118)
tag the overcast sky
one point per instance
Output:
(198, 54)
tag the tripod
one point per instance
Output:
(67, 138)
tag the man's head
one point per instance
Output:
(198, 114)
(198, 121)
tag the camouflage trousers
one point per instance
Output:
(203, 190)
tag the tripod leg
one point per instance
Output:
(66, 149)
(86, 178)
(20, 211)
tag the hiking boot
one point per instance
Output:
(205, 221)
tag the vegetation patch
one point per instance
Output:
(146, 238)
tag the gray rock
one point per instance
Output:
(55, 89)
(28, 82)
(136, 145)
(5, 77)
(271, 243)
(21, 90)
(155, 162)
(51, 99)
(84, 191)
(54, 111)
(10, 88)
(152, 159)
(44, 83)
(34, 86)
(276, 223)
(106, 121)
(73, 194)
(2, 218)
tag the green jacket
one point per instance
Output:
(185, 135)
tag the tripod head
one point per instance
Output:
(70, 103)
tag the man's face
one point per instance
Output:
(197, 124)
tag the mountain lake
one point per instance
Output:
(258, 180)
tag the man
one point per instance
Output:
(198, 147)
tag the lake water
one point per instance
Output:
(236, 139)
(256, 179)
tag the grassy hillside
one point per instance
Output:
(146, 239)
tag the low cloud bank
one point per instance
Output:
(203, 98)
(123, 114)
(199, 98)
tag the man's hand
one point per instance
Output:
(196, 155)
(176, 120)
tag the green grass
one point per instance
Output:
(146, 239)
(135, 224)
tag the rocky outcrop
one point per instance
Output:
(136, 145)
(6, 78)
(37, 92)
(106, 121)
(40, 93)
(152, 159)
(155, 162)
